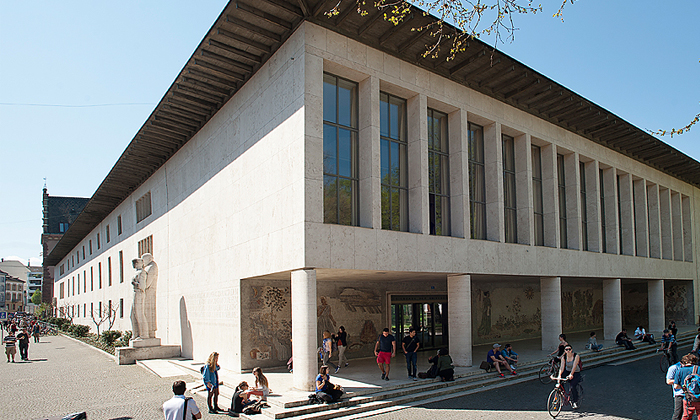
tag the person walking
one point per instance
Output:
(10, 342)
(36, 331)
(210, 374)
(327, 350)
(385, 349)
(23, 342)
(179, 407)
(410, 345)
(342, 343)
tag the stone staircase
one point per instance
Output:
(393, 397)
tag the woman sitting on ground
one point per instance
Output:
(262, 388)
(445, 368)
(325, 390)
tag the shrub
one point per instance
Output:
(61, 323)
(79, 330)
(124, 340)
(109, 337)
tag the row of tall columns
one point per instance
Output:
(304, 318)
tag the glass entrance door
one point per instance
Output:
(428, 314)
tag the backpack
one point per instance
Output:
(691, 385)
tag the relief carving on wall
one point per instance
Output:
(270, 328)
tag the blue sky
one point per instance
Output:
(103, 66)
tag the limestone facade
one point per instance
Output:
(246, 262)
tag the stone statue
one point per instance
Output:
(143, 310)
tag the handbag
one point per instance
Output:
(485, 365)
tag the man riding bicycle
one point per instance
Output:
(668, 343)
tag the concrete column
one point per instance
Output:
(313, 139)
(459, 305)
(459, 173)
(641, 225)
(523, 189)
(550, 292)
(666, 225)
(573, 200)
(654, 217)
(595, 242)
(612, 232)
(657, 319)
(677, 225)
(493, 174)
(626, 214)
(612, 308)
(417, 110)
(369, 154)
(550, 192)
(304, 325)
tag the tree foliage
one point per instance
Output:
(36, 297)
(470, 19)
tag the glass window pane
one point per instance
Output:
(394, 115)
(395, 163)
(344, 104)
(404, 210)
(329, 149)
(386, 207)
(386, 167)
(344, 201)
(330, 200)
(329, 98)
(437, 212)
(351, 88)
(403, 166)
(436, 173)
(445, 216)
(395, 206)
(344, 153)
(444, 147)
(384, 115)
(537, 196)
(445, 177)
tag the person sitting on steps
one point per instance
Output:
(495, 358)
(623, 340)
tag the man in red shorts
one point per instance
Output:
(385, 349)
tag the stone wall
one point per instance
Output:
(678, 298)
(635, 306)
(581, 306)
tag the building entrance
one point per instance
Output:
(428, 314)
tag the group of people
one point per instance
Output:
(498, 359)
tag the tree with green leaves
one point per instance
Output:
(36, 297)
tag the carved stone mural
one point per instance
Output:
(267, 326)
(678, 298)
(581, 306)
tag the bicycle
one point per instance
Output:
(561, 396)
(665, 361)
(549, 369)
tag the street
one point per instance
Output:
(65, 376)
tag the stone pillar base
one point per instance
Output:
(129, 355)
(144, 342)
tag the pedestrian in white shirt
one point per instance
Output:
(174, 408)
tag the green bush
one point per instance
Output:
(124, 340)
(109, 337)
(61, 323)
(79, 330)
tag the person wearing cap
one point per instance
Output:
(495, 358)
(668, 342)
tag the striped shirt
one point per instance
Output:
(10, 341)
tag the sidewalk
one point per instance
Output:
(362, 376)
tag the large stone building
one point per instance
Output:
(306, 172)
(59, 213)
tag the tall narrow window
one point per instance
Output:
(78, 284)
(537, 203)
(109, 271)
(439, 173)
(121, 307)
(143, 207)
(83, 251)
(477, 182)
(562, 201)
(145, 246)
(99, 309)
(107, 235)
(509, 197)
(619, 218)
(603, 233)
(119, 225)
(394, 162)
(98, 241)
(121, 266)
(634, 217)
(584, 210)
(90, 246)
(99, 275)
(84, 281)
(340, 153)
(92, 280)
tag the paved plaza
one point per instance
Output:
(65, 376)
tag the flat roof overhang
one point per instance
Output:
(248, 32)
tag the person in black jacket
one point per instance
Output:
(341, 341)
(623, 340)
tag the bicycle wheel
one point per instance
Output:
(545, 372)
(555, 402)
(664, 363)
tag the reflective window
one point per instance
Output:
(509, 197)
(439, 173)
(477, 183)
(394, 162)
(537, 195)
(562, 201)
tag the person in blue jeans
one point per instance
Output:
(410, 345)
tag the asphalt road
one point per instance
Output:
(632, 391)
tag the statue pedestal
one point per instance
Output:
(144, 349)
(144, 342)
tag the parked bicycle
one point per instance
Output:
(561, 396)
(549, 370)
(665, 361)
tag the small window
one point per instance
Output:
(62, 269)
(121, 267)
(143, 207)
(99, 309)
(77, 256)
(63, 227)
(107, 234)
(109, 271)
(99, 275)
(83, 251)
(78, 292)
(145, 246)
(119, 225)
(90, 246)
(92, 280)
(121, 308)
(84, 281)
(98, 241)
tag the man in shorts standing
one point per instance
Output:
(10, 342)
(385, 349)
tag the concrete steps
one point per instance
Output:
(393, 397)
